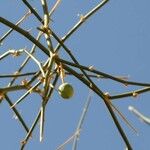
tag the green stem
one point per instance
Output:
(16, 75)
(81, 21)
(26, 59)
(24, 142)
(26, 94)
(37, 118)
(129, 94)
(103, 74)
(17, 113)
(32, 10)
(25, 34)
(18, 23)
(12, 88)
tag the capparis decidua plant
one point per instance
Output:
(55, 67)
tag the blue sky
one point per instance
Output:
(116, 41)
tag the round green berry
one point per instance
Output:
(66, 90)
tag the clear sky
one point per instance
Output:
(116, 40)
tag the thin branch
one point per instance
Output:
(130, 94)
(125, 82)
(61, 147)
(32, 10)
(25, 34)
(42, 120)
(11, 52)
(24, 142)
(139, 115)
(26, 59)
(26, 94)
(48, 77)
(46, 25)
(46, 14)
(124, 119)
(80, 123)
(17, 75)
(51, 89)
(37, 62)
(100, 76)
(81, 21)
(18, 23)
(12, 88)
(37, 74)
(100, 94)
(48, 90)
(54, 7)
(17, 113)
(47, 86)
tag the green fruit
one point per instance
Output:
(66, 90)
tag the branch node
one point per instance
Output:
(82, 18)
(134, 94)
